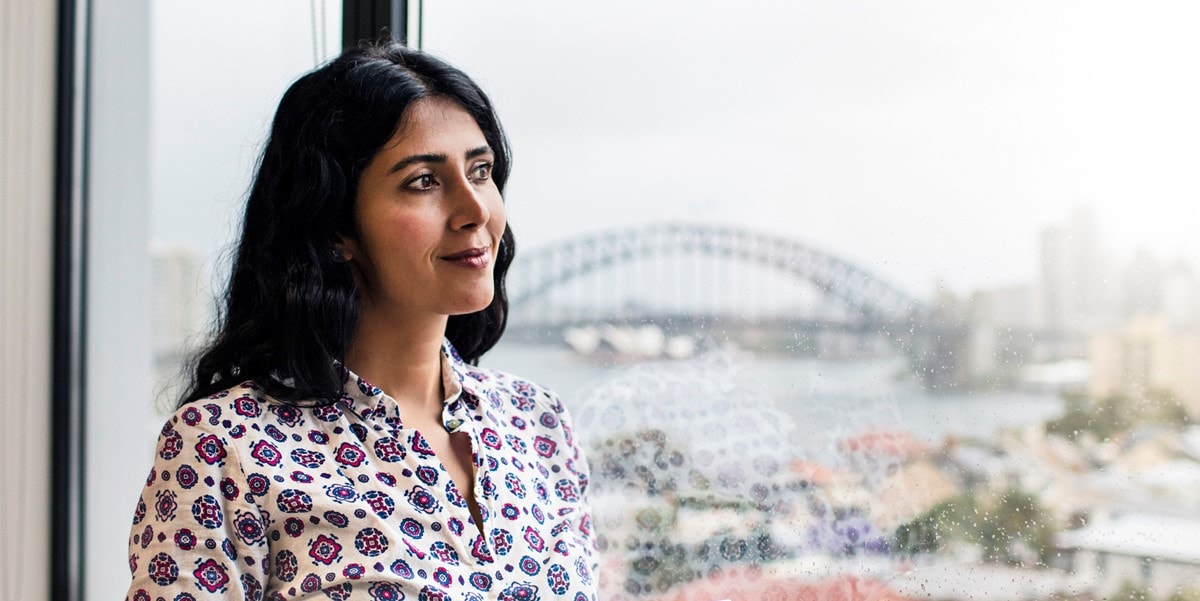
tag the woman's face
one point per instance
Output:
(429, 217)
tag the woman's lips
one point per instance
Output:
(475, 258)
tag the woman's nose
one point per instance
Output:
(470, 207)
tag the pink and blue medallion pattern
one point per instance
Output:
(250, 498)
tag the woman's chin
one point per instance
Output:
(472, 303)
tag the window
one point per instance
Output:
(180, 99)
(844, 293)
(869, 297)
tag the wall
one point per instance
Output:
(27, 71)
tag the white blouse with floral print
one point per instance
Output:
(250, 498)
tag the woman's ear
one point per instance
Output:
(344, 250)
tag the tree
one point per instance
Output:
(1010, 527)
(929, 532)
(1131, 592)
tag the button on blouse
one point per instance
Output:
(252, 498)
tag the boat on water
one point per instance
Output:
(609, 342)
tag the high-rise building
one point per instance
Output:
(1003, 321)
(1142, 288)
(177, 312)
(1180, 296)
(1076, 287)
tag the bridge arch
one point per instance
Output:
(871, 297)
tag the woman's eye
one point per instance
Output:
(422, 182)
(481, 172)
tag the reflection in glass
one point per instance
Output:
(761, 429)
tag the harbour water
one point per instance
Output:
(820, 396)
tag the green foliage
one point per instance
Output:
(1131, 592)
(1186, 593)
(1013, 520)
(929, 532)
(1112, 415)
(1011, 527)
(1104, 418)
(1163, 407)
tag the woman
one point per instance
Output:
(337, 439)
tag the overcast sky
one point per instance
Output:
(921, 139)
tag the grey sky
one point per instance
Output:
(922, 139)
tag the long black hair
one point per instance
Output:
(292, 305)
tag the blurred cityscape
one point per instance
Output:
(1093, 323)
(180, 310)
(701, 492)
(1100, 501)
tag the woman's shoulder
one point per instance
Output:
(234, 410)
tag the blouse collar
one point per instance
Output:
(465, 387)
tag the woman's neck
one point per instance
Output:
(403, 357)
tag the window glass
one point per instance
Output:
(865, 300)
(181, 98)
(211, 112)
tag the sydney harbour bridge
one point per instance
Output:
(671, 276)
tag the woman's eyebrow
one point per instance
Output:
(417, 158)
(436, 158)
(476, 152)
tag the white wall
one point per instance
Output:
(27, 71)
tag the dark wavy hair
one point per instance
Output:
(291, 305)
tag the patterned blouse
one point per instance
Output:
(250, 498)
